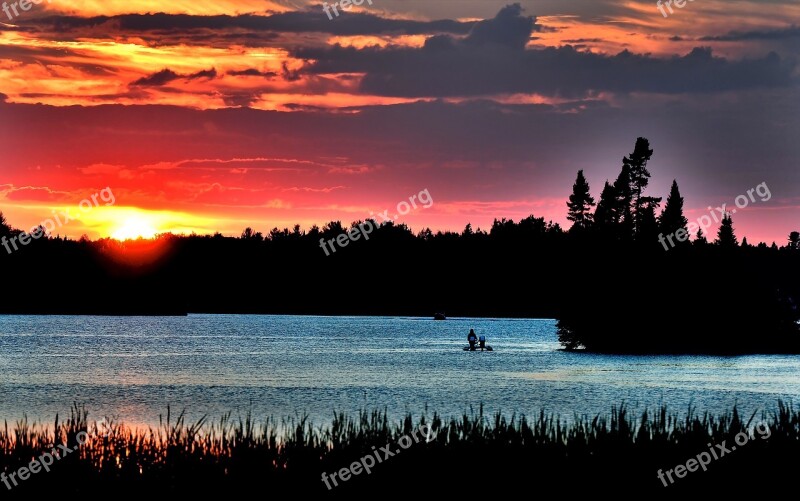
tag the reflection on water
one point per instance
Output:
(132, 368)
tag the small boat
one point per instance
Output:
(439, 316)
(478, 348)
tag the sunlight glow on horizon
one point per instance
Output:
(118, 222)
(130, 223)
(133, 228)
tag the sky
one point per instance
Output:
(213, 116)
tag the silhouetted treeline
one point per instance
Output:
(644, 286)
(611, 280)
(395, 272)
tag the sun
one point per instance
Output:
(132, 223)
(133, 228)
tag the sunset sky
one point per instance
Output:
(213, 116)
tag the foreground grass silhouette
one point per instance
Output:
(473, 454)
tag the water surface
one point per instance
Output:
(132, 368)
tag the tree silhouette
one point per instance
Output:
(700, 240)
(623, 199)
(648, 224)
(726, 238)
(605, 215)
(639, 176)
(580, 204)
(5, 229)
(249, 234)
(794, 240)
(672, 218)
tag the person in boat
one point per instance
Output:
(472, 338)
(482, 341)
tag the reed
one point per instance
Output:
(472, 452)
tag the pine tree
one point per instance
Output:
(726, 237)
(580, 204)
(794, 240)
(605, 214)
(648, 224)
(623, 198)
(639, 176)
(672, 218)
(5, 229)
(700, 239)
(250, 234)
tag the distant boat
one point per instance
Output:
(478, 348)
(439, 316)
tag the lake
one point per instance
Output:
(132, 368)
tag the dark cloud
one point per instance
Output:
(493, 59)
(737, 36)
(584, 40)
(210, 74)
(240, 99)
(15, 27)
(783, 41)
(252, 72)
(136, 94)
(509, 28)
(290, 22)
(166, 76)
(163, 77)
(289, 75)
